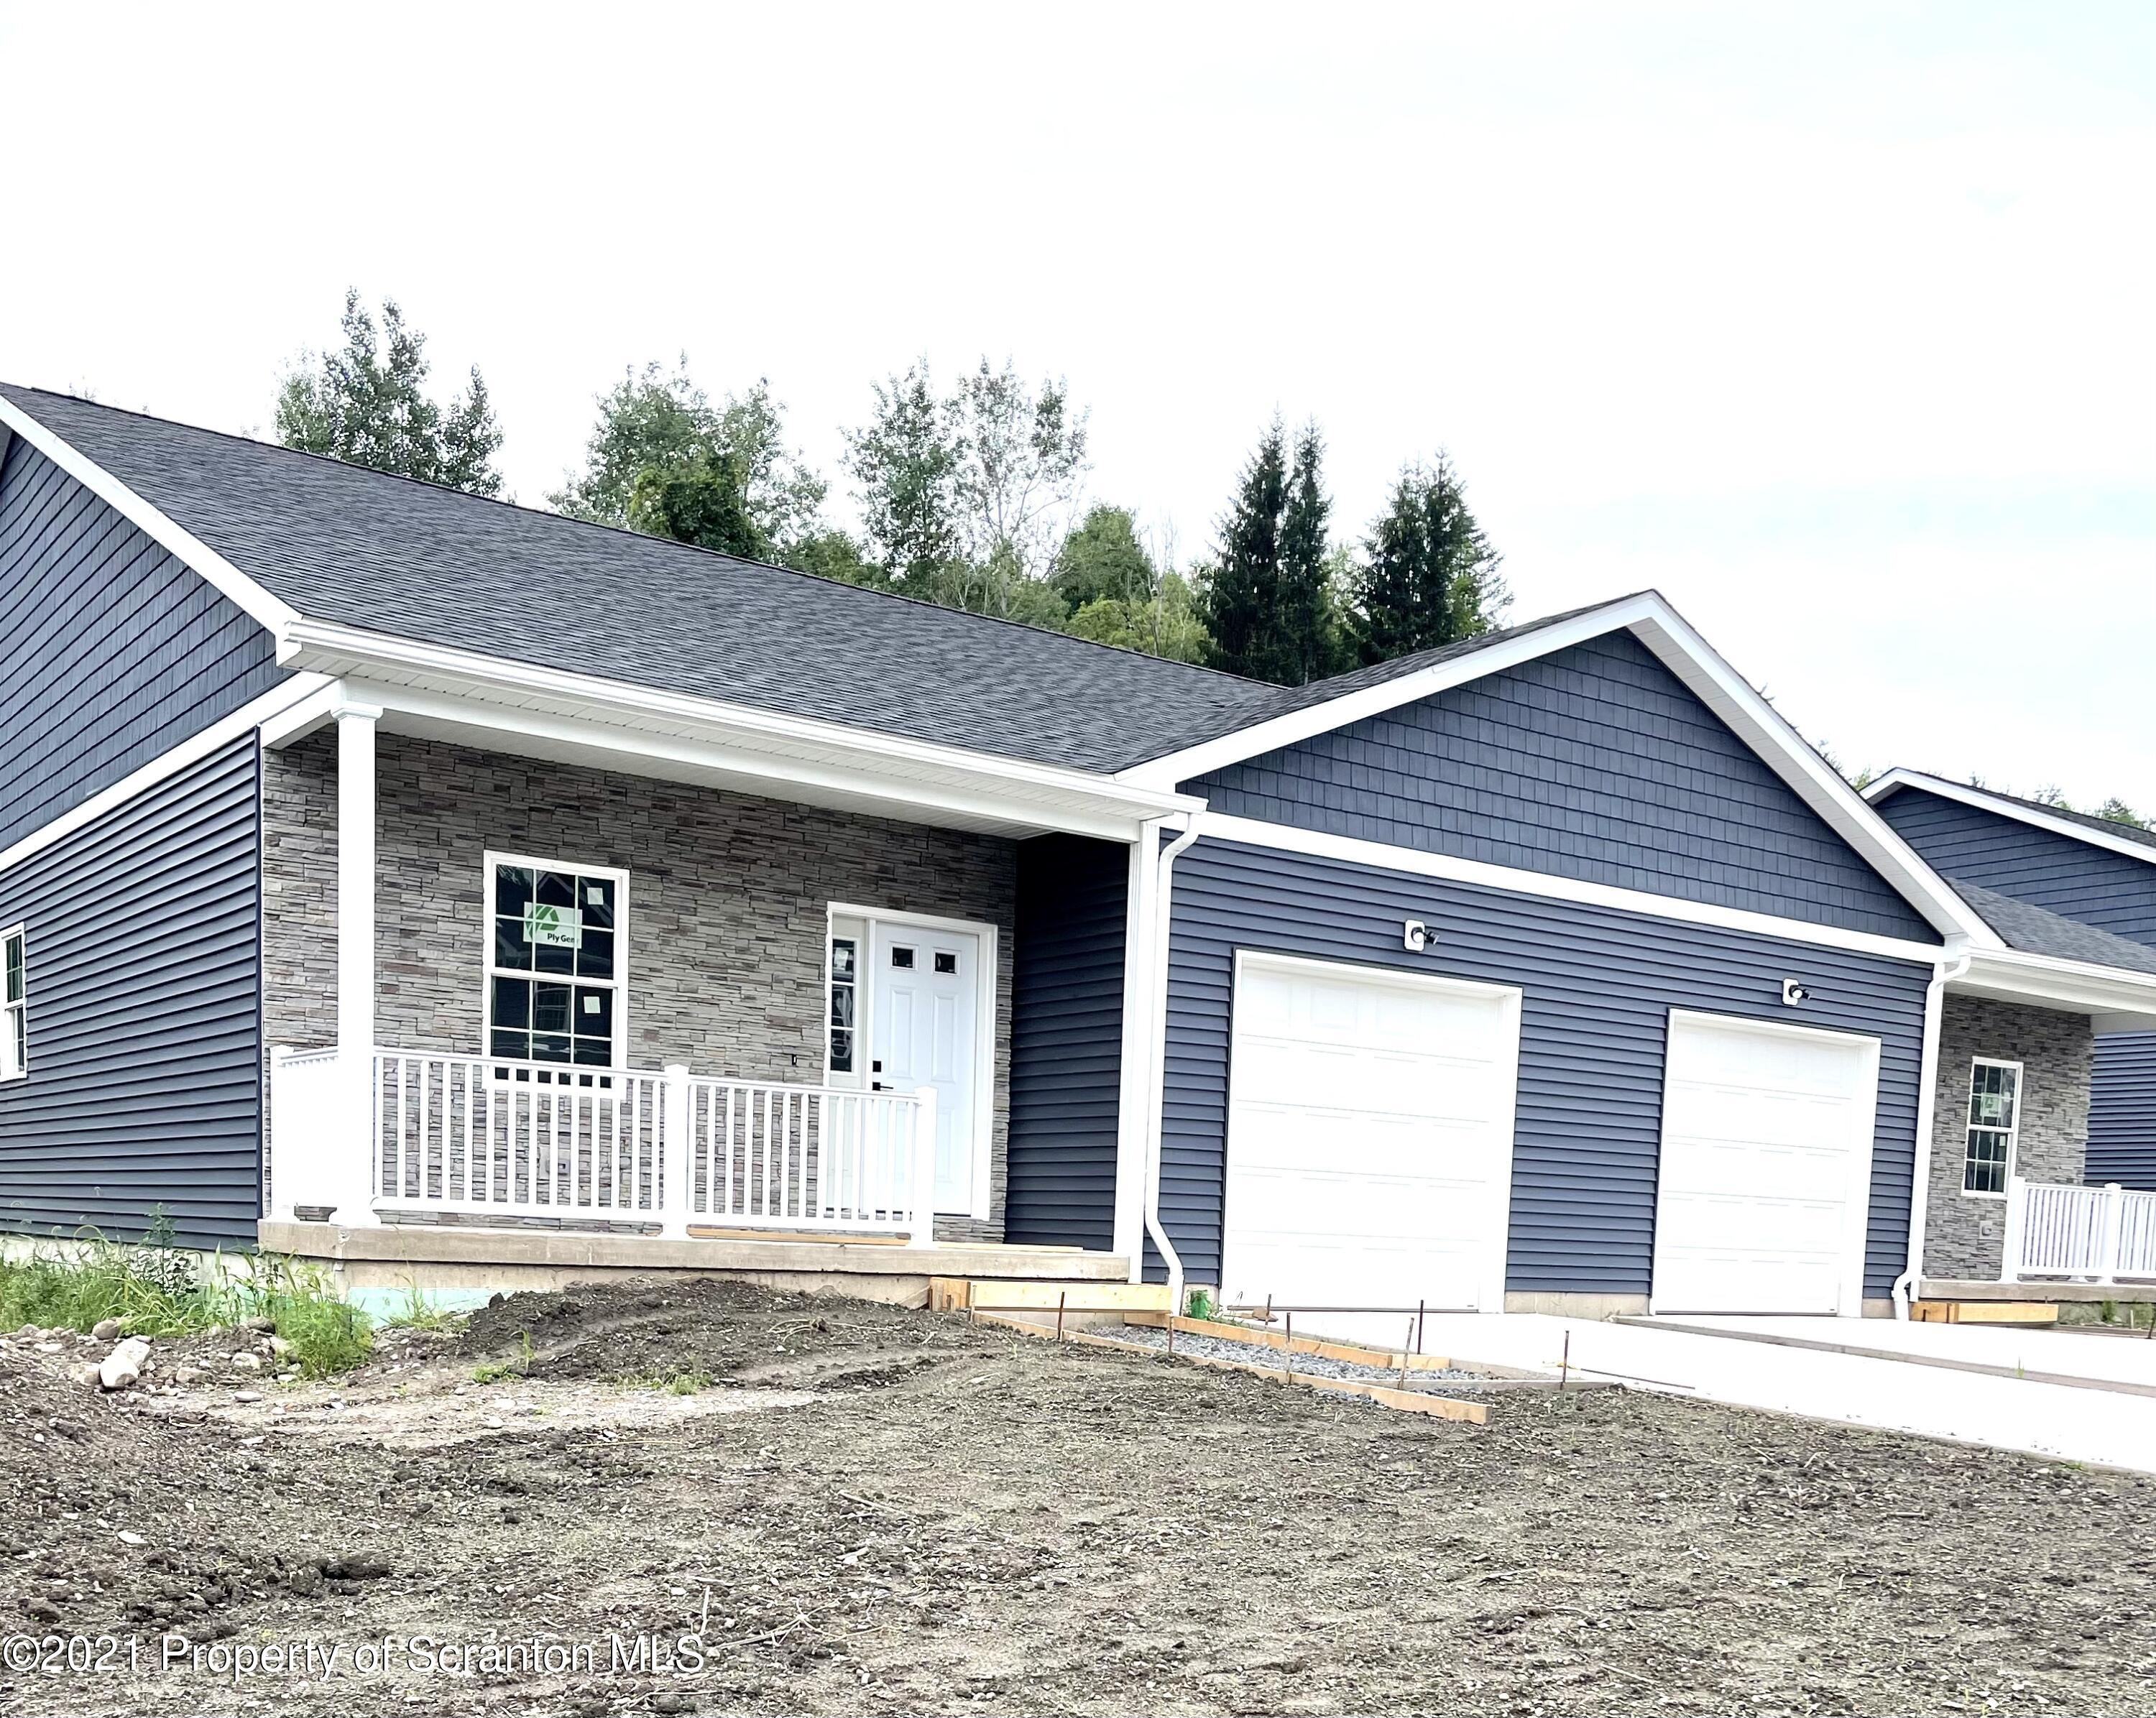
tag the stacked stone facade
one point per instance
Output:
(1964, 1232)
(727, 900)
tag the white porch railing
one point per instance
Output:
(2056, 1230)
(423, 1134)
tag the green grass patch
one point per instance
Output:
(495, 1372)
(418, 1313)
(155, 1289)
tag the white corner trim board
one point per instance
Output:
(1983, 801)
(216, 737)
(242, 589)
(1415, 862)
(1679, 649)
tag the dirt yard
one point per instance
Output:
(850, 1508)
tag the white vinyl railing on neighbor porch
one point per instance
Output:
(2057, 1230)
(418, 1134)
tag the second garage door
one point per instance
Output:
(1369, 1140)
(1766, 1167)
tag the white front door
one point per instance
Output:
(1765, 1180)
(923, 1022)
(1369, 1142)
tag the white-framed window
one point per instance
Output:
(1994, 1126)
(14, 1003)
(557, 962)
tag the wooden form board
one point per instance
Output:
(987, 1294)
(1443, 1407)
(1324, 1347)
(1985, 1312)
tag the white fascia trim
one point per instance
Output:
(2045, 980)
(1414, 862)
(1878, 790)
(554, 692)
(1300, 725)
(1784, 751)
(250, 596)
(216, 737)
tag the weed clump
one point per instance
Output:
(154, 1288)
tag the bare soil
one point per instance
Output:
(867, 1510)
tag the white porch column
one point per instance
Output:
(1134, 1088)
(355, 946)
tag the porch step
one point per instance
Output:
(1985, 1312)
(949, 1294)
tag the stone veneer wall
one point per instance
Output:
(1964, 1234)
(728, 896)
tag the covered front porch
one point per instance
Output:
(561, 990)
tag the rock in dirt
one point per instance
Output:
(125, 1364)
(186, 1377)
(88, 1375)
(364, 1566)
(243, 1362)
(106, 1330)
(258, 1325)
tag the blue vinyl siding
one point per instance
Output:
(2074, 878)
(114, 651)
(1066, 1041)
(145, 1087)
(2122, 1142)
(1594, 763)
(1599, 985)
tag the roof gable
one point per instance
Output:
(1980, 841)
(1593, 762)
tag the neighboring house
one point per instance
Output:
(410, 880)
(2049, 1098)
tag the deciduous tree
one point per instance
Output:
(366, 403)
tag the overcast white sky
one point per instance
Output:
(1835, 323)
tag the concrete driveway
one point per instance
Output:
(2091, 1401)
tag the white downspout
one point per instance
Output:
(1157, 1079)
(1951, 967)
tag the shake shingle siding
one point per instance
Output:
(113, 652)
(1066, 1041)
(143, 946)
(2074, 878)
(2121, 1136)
(1599, 985)
(1596, 763)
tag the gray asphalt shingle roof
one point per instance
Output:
(342, 544)
(2036, 931)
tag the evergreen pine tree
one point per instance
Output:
(1429, 574)
(1241, 604)
(1308, 644)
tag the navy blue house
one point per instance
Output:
(397, 877)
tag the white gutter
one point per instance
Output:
(1952, 966)
(1157, 1080)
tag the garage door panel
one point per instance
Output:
(1281, 1139)
(1764, 1173)
(1369, 1137)
(1768, 1173)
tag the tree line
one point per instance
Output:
(970, 495)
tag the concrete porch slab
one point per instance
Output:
(434, 1257)
(1960, 1288)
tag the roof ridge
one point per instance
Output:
(722, 556)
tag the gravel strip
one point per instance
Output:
(1310, 1364)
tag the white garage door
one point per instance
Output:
(1369, 1141)
(1766, 1167)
